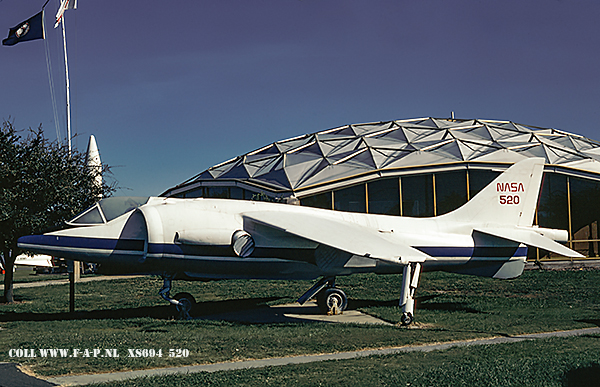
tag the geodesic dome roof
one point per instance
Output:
(343, 152)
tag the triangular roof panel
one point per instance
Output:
(350, 150)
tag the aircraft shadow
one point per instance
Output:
(261, 314)
(208, 308)
(244, 311)
(449, 307)
(420, 303)
(158, 312)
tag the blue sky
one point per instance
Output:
(170, 88)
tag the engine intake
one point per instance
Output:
(241, 242)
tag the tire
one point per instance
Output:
(329, 298)
(187, 306)
(406, 319)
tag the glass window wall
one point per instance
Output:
(479, 179)
(216, 192)
(450, 191)
(553, 211)
(585, 213)
(322, 200)
(417, 195)
(237, 193)
(195, 193)
(384, 196)
(352, 199)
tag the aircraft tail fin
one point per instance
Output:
(509, 200)
(505, 208)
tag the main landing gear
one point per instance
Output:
(184, 303)
(410, 281)
(331, 300)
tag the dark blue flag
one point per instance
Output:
(30, 29)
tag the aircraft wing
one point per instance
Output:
(531, 238)
(350, 237)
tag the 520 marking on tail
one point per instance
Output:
(509, 199)
(513, 187)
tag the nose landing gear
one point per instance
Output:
(187, 304)
(184, 303)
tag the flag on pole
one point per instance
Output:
(64, 5)
(30, 29)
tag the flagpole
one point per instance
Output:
(75, 274)
(68, 88)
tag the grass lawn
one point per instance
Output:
(128, 314)
(552, 362)
(26, 274)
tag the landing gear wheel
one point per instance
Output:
(406, 319)
(332, 301)
(187, 302)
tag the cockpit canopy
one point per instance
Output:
(107, 209)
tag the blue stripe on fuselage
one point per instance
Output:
(82, 242)
(174, 249)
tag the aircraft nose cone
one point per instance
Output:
(31, 240)
(39, 243)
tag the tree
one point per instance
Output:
(41, 186)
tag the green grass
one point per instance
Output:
(26, 274)
(128, 313)
(551, 362)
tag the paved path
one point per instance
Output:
(13, 377)
(78, 380)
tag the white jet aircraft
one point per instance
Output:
(212, 239)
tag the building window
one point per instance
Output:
(322, 200)
(195, 193)
(479, 179)
(237, 193)
(552, 210)
(585, 213)
(384, 196)
(417, 195)
(216, 192)
(450, 191)
(351, 199)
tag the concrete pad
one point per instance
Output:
(309, 312)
